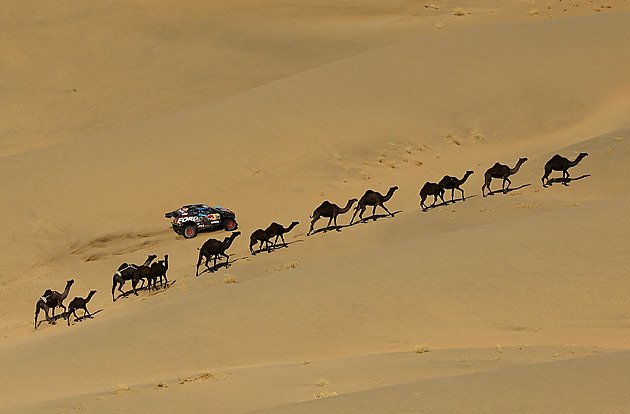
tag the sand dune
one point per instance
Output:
(276, 109)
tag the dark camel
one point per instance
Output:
(434, 189)
(500, 171)
(213, 247)
(328, 209)
(452, 183)
(261, 236)
(125, 272)
(50, 300)
(558, 163)
(158, 271)
(279, 231)
(372, 198)
(79, 303)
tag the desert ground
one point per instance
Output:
(116, 112)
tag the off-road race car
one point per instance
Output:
(193, 218)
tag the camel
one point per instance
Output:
(558, 163)
(214, 247)
(452, 183)
(125, 272)
(79, 303)
(500, 171)
(50, 300)
(434, 189)
(372, 198)
(158, 271)
(140, 274)
(279, 230)
(261, 236)
(330, 210)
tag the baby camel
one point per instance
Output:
(50, 300)
(431, 189)
(558, 163)
(328, 209)
(158, 271)
(261, 236)
(500, 171)
(372, 198)
(79, 303)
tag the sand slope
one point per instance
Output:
(514, 290)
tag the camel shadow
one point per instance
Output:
(373, 217)
(218, 266)
(568, 180)
(85, 316)
(509, 190)
(279, 246)
(460, 199)
(326, 229)
(55, 318)
(130, 292)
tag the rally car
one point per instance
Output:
(193, 218)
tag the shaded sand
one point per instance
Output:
(513, 302)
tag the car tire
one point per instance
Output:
(189, 231)
(229, 225)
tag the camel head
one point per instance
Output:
(70, 282)
(522, 160)
(469, 172)
(583, 154)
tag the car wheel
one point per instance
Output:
(229, 224)
(190, 231)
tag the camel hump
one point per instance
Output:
(123, 266)
(496, 164)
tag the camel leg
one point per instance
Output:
(39, 308)
(453, 195)
(120, 286)
(356, 210)
(422, 205)
(198, 263)
(383, 205)
(486, 185)
(284, 243)
(463, 198)
(361, 213)
(441, 194)
(565, 177)
(328, 225)
(505, 189)
(336, 225)
(315, 218)
(227, 260)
